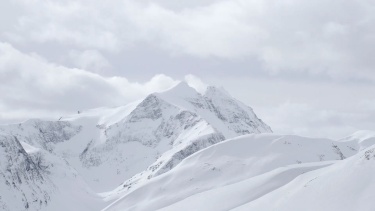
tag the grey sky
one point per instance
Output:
(306, 67)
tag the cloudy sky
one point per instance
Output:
(306, 67)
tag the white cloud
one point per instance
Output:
(318, 37)
(29, 85)
(196, 83)
(32, 87)
(308, 120)
(91, 60)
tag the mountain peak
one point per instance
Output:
(181, 90)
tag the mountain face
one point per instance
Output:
(161, 131)
(186, 122)
(107, 148)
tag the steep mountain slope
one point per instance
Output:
(101, 148)
(20, 178)
(237, 171)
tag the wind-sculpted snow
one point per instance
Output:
(363, 138)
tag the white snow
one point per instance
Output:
(346, 185)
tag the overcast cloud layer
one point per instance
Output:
(305, 66)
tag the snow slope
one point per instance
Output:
(244, 170)
(346, 185)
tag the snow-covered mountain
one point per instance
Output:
(97, 150)
(180, 150)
